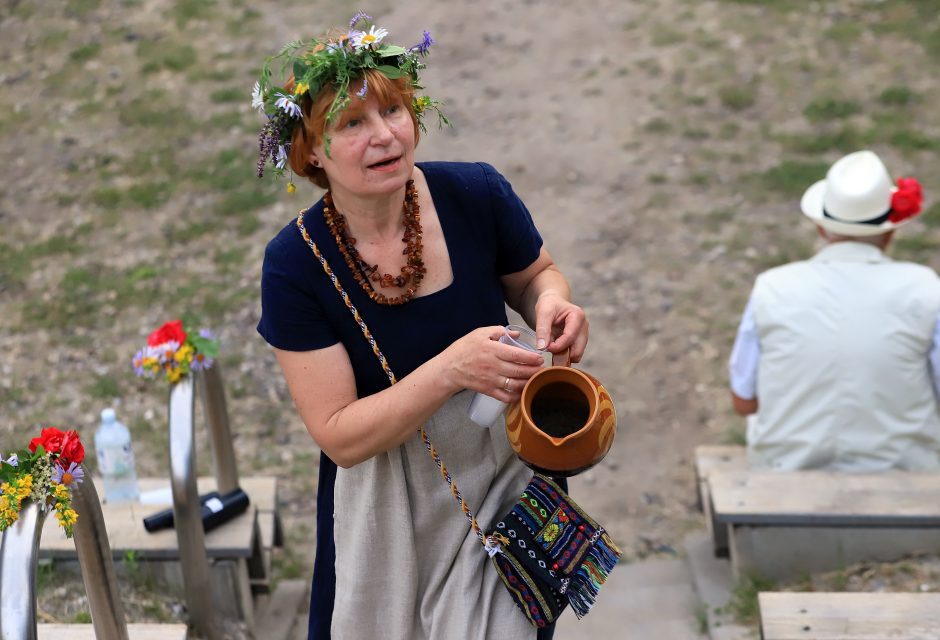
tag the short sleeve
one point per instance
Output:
(518, 241)
(291, 316)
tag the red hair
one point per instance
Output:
(313, 126)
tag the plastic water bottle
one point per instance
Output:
(116, 460)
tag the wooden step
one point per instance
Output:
(854, 616)
(134, 632)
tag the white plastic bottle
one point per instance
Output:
(116, 460)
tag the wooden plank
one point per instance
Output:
(850, 616)
(126, 532)
(711, 459)
(718, 457)
(826, 498)
(134, 631)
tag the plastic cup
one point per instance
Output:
(484, 409)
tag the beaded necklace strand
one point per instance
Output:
(365, 274)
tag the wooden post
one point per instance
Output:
(212, 392)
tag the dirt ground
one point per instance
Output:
(661, 146)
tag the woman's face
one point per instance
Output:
(371, 149)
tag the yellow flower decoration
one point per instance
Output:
(301, 88)
(291, 188)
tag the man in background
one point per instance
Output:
(837, 357)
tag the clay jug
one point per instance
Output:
(564, 422)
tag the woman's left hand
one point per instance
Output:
(561, 324)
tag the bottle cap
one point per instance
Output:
(107, 415)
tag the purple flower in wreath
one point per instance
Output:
(422, 47)
(360, 15)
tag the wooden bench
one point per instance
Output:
(784, 524)
(134, 632)
(715, 459)
(239, 550)
(850, 616)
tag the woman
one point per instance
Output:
(395, 557)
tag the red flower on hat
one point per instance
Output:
(906, 201)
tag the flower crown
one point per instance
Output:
(335, 61)
(45, 472)
(174, 352)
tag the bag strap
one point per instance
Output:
(488, 542)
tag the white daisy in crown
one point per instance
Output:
(361, 39)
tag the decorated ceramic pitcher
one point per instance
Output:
(564, 422)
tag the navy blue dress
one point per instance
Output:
(489, 233)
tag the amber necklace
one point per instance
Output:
(364, 273)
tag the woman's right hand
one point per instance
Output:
(480, 362)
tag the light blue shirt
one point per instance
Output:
(745, 357)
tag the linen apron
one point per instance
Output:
(408, 565)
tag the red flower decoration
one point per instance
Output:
(906, 201)
(50, 438)
(172, 330)
(67, 445)
(71, 450)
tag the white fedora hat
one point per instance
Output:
(855, 197)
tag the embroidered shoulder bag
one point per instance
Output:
(548, 552)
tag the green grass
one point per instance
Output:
(658, 125)
(81, 617)
(743, 604)
(824, 109)
(81, 8)
(185, 11)
(17, 262)
(844, 139)
(85, 52)
(791, 178)
(228, 94)
(154, 109)
(103, 387)
(898, 96)
(157, 55)
(738, 97)
(915, 248)
(931, 217)
(77, 299)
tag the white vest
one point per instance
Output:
(844, 381)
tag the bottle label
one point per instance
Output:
(115, 462)
(215, 505)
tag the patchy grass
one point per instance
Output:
(157, 55)
(154, 109)
(185, 11)
(791, 177)
(824, 109)
(844, 139)
(738, 97)
(914, 248)
(85, 52)
(743, 604)
(104, 387)
(898, 96)
(78, 298)
(931, 217)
